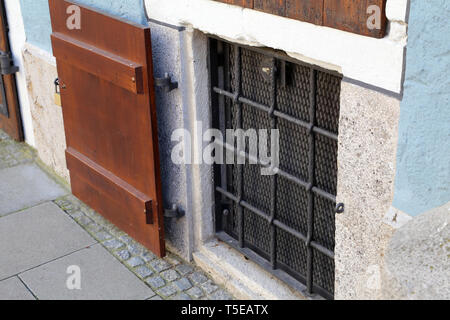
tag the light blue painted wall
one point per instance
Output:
(423, 159)
(36, 16)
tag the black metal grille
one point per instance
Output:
(285, 222)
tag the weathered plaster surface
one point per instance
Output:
(417, 262)
(366, 170)
(378, 62)
(423, 159)
(40, 69)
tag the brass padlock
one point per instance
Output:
(57, 93)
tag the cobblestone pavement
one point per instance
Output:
(12, 153)
(168, 278)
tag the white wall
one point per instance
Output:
(17, 40)
(377, 62)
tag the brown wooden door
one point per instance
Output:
(10, 119)
(106, 80)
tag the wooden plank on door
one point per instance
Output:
(305, 10)
(277, 7)
(110, 120)
(353, 16)
(242, 3)
(346, 15)
(110, 67)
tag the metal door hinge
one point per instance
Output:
(175, 212)
(166, 83)
(7, 64)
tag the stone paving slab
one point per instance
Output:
(14, 289)
(102, 278)
(422, 270)
(27, 185)
(38, 238)
(37, 235)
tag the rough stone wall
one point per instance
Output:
(366, 170)
(47, 117)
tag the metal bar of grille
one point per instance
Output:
(273, 182)
(215, 100)
(238, 105)
(275, 222)
(288, 176)
(298, 122)
(312, 117)
(324, 194)
(279, 114)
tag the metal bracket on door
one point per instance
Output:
(4, 103)
(174, 213)
(166, 83)
(6, 64)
